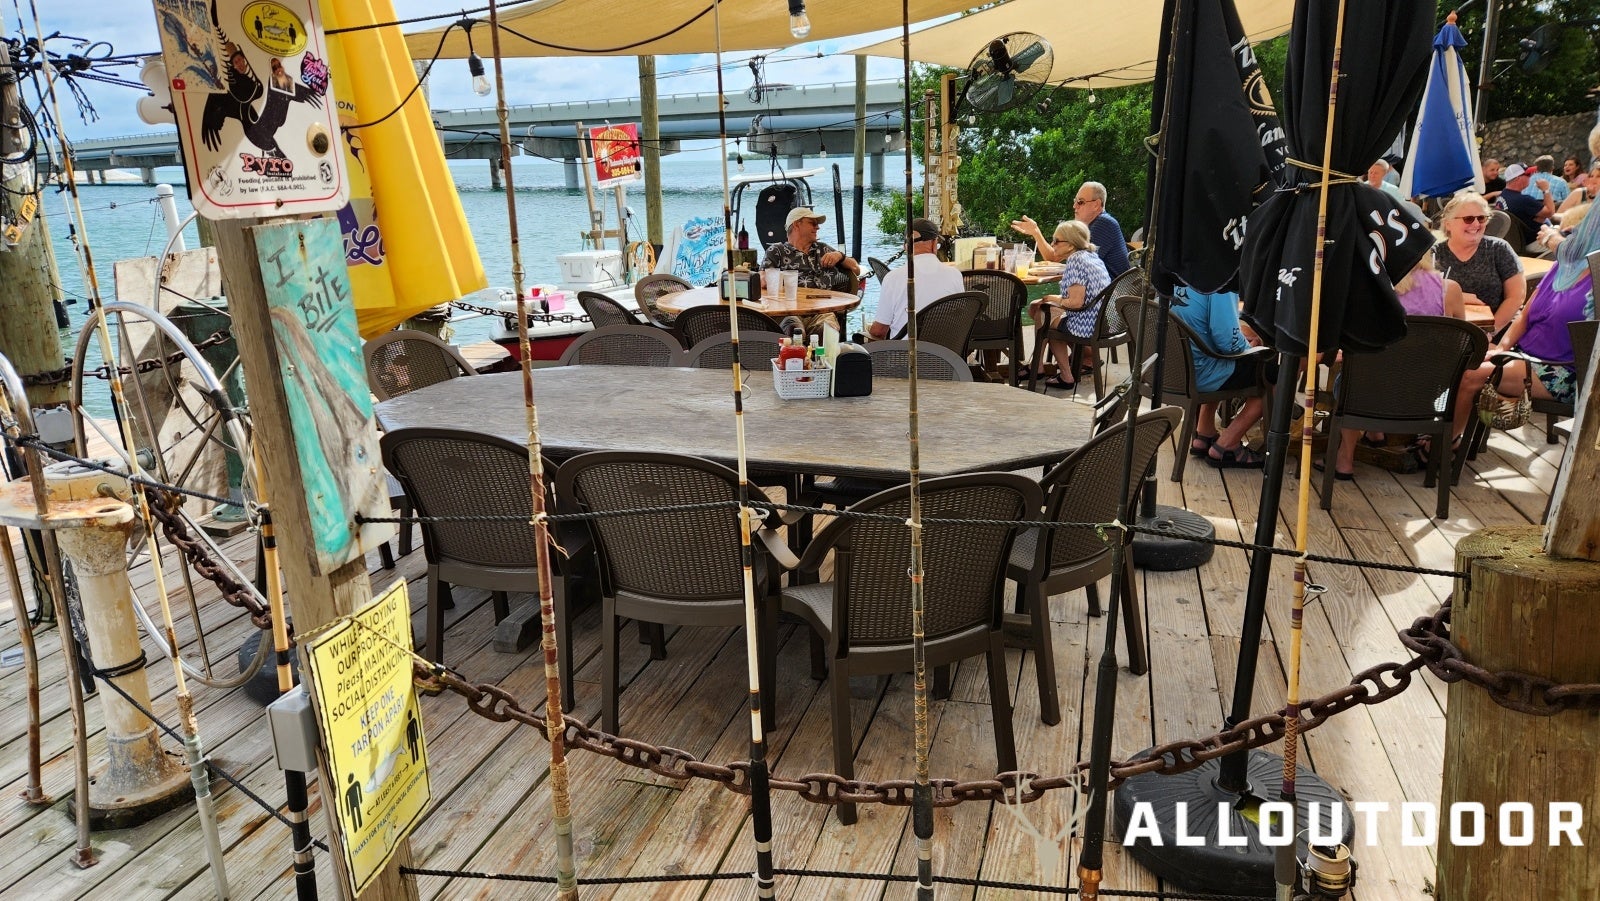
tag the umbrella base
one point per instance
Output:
(1184, 541)
(1226, 854)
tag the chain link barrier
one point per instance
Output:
(511, 318)
(103, 372)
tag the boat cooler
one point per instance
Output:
(590, 270)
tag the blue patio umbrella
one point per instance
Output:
(1444, 155)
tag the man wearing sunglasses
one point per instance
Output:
(1089, 207)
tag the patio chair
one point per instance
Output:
(1177, 370)
(1409, 386)
(1110, 331)
(699, 323)
(676, 567)
(999, 323)
(1085, 487)
(647, 289)
(879, 268)
(624, 345)
(892, 360)
(861, 621)
(453, 472)
(604, 311)
(948, 321)
(403, 361)
(756, 352)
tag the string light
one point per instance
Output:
(480, 82)
(799, 22)
(823, 153)
(1092, 98)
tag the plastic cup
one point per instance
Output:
(791, 286)
(771, 282)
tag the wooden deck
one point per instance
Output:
(490, 808)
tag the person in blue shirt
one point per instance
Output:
(1214, 319)
(1089, 207)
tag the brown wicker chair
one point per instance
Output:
(1085, 487)
(699, 323)
(450, 472)
(999, 324)
(757, 350)
(862, 619)
(1110, 331)
(404, 361)
(948, 321)
(604, 311)
(1409, 386)
(892, 360)
(679, 567)
(647, 289)
(624, 345)
(1177, 370)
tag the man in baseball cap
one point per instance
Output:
(935, 279)
(819, 265)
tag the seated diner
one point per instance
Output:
(1485, 267)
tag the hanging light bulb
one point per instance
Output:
(799, 22)
(480, 83)
(1092, 98)
(823, 153)
(738, 160)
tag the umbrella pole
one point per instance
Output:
(1285, 862)
(555, 719)
(760, 792)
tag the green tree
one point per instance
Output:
(1565, 85)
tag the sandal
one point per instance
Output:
(1241, 457)
(1339, 476)
(1200, 445)
(1370, 441)
(1423, 446)
(1056, 381)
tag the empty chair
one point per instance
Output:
(624, 345)
(1177, 369)
(892, 360)
(451, 472)
(647, 289)
(1085, 487)
(999, 323)
(948, 320)
(679, 567)
(756, 351)
(862, 619)
(604, 311)
(699, 323)
(403, 361)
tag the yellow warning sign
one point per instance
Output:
(360, 677)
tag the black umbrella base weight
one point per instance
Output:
(1187, 829)
(263, 686)
(1184, 540)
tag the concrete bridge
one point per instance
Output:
(792, 121)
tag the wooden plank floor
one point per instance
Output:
(491, 802)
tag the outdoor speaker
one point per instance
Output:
(852, 373)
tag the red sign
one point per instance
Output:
(616, 153)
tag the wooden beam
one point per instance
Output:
(1573, 526)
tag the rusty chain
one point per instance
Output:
(57, 376)
(164, 507)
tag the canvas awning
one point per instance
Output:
(660, 27)
(1114, 42)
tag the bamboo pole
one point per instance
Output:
(760, 793)
(555, 719)
(1285, 862)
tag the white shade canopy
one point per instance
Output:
(1114, 42)
(660, 27)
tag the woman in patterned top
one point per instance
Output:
(1075, 310)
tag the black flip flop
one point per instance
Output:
(1056, 381)
(1241, 457)
(1207, 440)
(1337, 475)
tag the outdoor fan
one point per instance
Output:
(1008, 72)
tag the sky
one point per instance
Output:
(130, 27)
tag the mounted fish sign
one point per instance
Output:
(256, 117)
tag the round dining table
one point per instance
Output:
(807, 302)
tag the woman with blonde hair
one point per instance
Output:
(1485, 267)
(1074, 311)
(1423, 292)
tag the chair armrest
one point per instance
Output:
(1254, 354)
(778, 549)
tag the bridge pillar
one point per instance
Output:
(875, 171)
(494, 173)
(796, 161)
(147, 174)
(569, 167)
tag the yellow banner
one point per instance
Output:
(359, 675)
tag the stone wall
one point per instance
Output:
(1521, 140)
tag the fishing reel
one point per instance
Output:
(1326, 873)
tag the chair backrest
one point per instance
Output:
(1111, 327)
(892, 360)
(963, 565)
(604, 311)
(1582, 333)
(948, 320)
(403, 361)
(452, 472)
(1087, 485)
(1177, 354)
(756, 352)
(647, 289)
(677, 555)
(1005, 295)
(624, 345)
(1415, 378)
(1499, 226)
(879, 268)
(699, 323)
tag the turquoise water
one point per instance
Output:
(122, 221)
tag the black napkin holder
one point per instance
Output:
(852, 374)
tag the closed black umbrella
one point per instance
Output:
(1372, 241)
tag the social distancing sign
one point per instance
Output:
(371, 725)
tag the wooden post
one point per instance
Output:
(1573, 527)
(317, 598)
(596, 234)
(650, 135)
(1530, 612)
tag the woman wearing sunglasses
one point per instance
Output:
(1486, 268)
